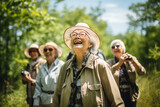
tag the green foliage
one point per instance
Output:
(135, 45)
(15, 99)
(147, 18)
(155, 53)
(146, 14)
(150, 90)
(18, 19)
(23, 22)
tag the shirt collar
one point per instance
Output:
(53, 63)
(89, 63)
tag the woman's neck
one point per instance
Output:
(118, 56)
(79, 57)
(35, 59)
(50, 61)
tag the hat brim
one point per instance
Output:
(41, 50)
(26, 52)
(68, 31)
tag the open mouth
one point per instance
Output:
(77, 42)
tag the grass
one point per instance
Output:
(150, 90)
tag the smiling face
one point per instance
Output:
(33, 52)
(49, 52)
(117, 50)
(80, 41)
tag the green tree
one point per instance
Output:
(147, 19)
(18, 19)
(23, 22)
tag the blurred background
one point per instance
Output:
(23, 22)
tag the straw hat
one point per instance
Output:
(26, 51)
(41, 48)
(83, 26)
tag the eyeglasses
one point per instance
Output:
(50, 49)
(115, 46)
(81, 34)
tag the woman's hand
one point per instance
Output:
(27, 78)
(124, 57)
(130, 58)
(127, 57)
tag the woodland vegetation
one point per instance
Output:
(23, 22)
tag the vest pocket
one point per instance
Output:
(94, 94)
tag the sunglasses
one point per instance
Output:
(115, 46)
(50, 49)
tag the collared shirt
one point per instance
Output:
(46, 80)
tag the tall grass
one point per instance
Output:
(150, 90)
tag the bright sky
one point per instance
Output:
(115, 13)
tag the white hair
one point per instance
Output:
(93, 42)
(120, 42)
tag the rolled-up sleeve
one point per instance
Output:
(141, 70)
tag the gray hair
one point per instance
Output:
(93, 42)
(120, 42)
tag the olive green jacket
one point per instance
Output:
(131, 72)
(98, 87)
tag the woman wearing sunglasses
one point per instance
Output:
(85, 80)
(48, 74)
(124, 67)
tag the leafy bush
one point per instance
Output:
(14, 98)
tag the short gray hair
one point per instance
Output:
(93, 42)
(120, 42)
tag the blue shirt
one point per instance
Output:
(46, 80)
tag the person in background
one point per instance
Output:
(124, 67)
(29, 75)
(48, 74)
(101, 54)
(85, 80)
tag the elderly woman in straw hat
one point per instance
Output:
(85, 80)
(48, 74)
(124, 67)
(29, 75)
